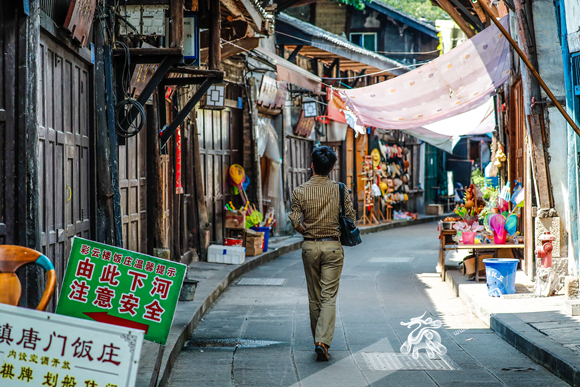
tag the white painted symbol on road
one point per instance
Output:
(415, 339)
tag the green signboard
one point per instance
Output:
(121, 287)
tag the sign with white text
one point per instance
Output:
(39, 349)
(121, 287)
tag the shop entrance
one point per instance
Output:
(64, 164)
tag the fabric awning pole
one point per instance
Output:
(530, 67)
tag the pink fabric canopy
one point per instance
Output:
(454, 83)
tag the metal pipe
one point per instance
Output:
(530, 67)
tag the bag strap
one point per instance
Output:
(341, 189)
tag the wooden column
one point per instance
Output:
(104, 187)
(155, 182)
(214, 35)
(176, 26)
(535, 112)
(28, 216)
(203, 226)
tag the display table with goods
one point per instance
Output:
(482, 225)
(247, 230)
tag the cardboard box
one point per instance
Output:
(235, 219)
(252, 251)
(434, 209)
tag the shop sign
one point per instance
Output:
(268, 90)
(304, 125)
(281, 94)
(80, 19)
(43, 349)
(121, 287)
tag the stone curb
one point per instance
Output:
(180, 332)
(529, 341)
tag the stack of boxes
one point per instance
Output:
(254, 242)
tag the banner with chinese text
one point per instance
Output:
(39, 349)
(121, 287)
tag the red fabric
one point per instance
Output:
(334, 105)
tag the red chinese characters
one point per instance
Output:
(128, 261)
(129, 302)
(85, 269)
(153, 311)
(138, 264)
(79, 291)
(117, 258)
(85, 250)
(150, 267)
(171, 272)
(138, 278)
(104, 297)
(96, 253)
(109, 275)
(161, 286)
(160, 269)
(106, 255)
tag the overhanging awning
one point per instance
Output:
(454, 83)
(317, 43)
(289, 72)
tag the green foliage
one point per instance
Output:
(419, 9)
(478, 179)
(358, 4)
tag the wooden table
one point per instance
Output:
(481, 247)
(447, 243)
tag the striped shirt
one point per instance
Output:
(316, 204)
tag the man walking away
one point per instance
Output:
(315, 215)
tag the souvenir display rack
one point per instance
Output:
(368, 177)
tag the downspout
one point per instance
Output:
(572, 137)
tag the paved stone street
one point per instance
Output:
(259, 335)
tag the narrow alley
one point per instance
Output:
(259, 335)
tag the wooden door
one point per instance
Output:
(219, 140)
(431, 168)
(361, 150)
(8, 133)
(336, 146)
(132, 158)
(299, 170)
(63, 152)
(350, 159)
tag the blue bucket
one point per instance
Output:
(266, 231)
(501, 276)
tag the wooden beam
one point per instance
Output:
(233, 48)
(532, 70)
(451, 11)
(176, 25)
(155, 211)
(293, 54)
(214, 36)
(540, 165)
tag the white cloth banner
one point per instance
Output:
(454, 83)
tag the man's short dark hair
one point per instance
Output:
(323, 160)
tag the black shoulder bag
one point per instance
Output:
(349, 233)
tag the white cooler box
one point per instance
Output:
(233, 255)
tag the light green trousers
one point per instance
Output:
(322, 266)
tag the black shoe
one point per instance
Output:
(321, 352)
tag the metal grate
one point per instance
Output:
(391, 259)
(55, 9)
(262, 281)
(389, 361)
(576, 74)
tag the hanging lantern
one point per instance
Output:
(310, 107)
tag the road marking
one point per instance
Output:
(262, 281)
(391, 259)
(390, 361)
